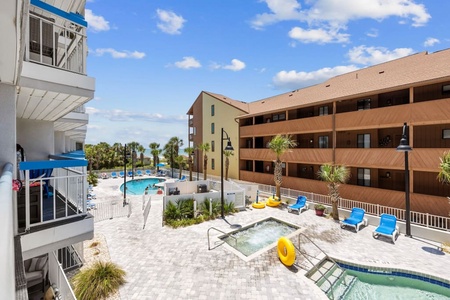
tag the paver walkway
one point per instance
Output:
(166, 263)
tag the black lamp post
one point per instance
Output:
(125, 175)
(229, 147)
(133, 163)
(405, 147)
(171, 157)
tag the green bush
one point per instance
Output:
(183, 209)
(92, 178)
(99, 281)
(204, 208)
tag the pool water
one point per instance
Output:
(382, 286)
(137, 186)
(250, 239)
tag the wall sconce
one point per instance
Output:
(311, 141)
(388, 174)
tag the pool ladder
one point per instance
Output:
(325, 272)
(223, 232)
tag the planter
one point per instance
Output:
(319, 212)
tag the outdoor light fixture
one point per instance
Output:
(405, 147)
(229, 147)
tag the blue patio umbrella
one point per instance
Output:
(160, 165)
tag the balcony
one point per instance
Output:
(51, 209)
(310, 156)
(56, 38)
(306, 125)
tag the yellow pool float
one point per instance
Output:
(286, 251)
(258, 204)
(273, 202)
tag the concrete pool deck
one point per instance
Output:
(166, 263)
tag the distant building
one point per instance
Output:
(208, 115)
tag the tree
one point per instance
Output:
(134, 146)
(204, 147)
(155, 151)
(189, 151)
(227, 154)
(171, 150)
(141, 151)
(444, 169)
(180, 162)
(279, 145)
(334, 176)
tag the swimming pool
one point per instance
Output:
(385, 283)
(258, 237)
(138, 186)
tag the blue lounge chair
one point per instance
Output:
(121, 174)
(148, 172)
(388, 227)
(139, 173)
(356, 219)
(130, 173)
(113, 175)
(299, 205)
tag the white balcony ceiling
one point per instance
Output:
(36, 104)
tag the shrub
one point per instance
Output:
(92, 178)
(99, 281)
(183, 209)
(319, 207)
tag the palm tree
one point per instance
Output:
(204, 147)
(227, 154)
(444, 170)
(180, 162)
(155, 151)
(134, 146)
(189, 151)
(141, 151)
(334, 176)
(279, 145)
(171, 150)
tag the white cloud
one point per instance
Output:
(431, 42)
(372, 33)
(118, 54)
(338, 13)
(374, 55)
(236, 65)
(293, 79)
(281, 10)
(96, 23)
(320, 36)
(188, 62)
(119, 115)
(169, 22)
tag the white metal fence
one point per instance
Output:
(110, 210)
(418, 218)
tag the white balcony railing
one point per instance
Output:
(58, 279)
(53, 190)
(417, 218)
(56, 38)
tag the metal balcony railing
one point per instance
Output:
(52, 191)
(56, 38)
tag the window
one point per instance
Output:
(364, 140)
(446, 133)
(323, 141)
(363, 104)
(446, 89)
(323, 110)
(212, 128)
(279, 117)
(213, 146)
(212, 110)
(213, 164)
(364, 177)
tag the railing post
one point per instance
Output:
(378, 210)
(428, 220)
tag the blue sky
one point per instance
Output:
(151, 59)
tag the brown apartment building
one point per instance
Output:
(356, 119)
